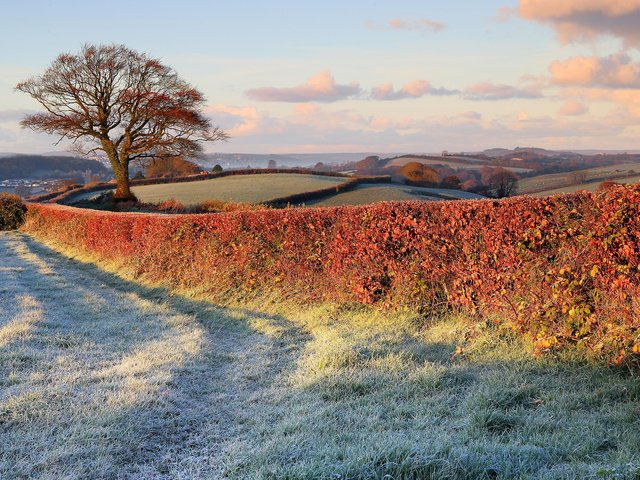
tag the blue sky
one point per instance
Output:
(285, 76)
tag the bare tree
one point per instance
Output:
(112, 99)
(577, 177)
(503, 182)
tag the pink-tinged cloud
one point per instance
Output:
(422, 24)
(584, 20)
(573, 108)
(492, 91)
(415, 89)
(319, 88)
(613, 71)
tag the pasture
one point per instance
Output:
(477, 165)
(555, 183)
(106, 378)
(372, 193)
(236, 188)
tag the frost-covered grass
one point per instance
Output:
(101, 377)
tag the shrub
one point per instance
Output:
(12, 211)
(171, 206)
(213, 206)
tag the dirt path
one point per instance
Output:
(102, 378)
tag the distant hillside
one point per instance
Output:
(41, 166)
(242, 160)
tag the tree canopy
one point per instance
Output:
(113, 100)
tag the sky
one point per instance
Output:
(360, 76)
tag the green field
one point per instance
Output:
(105, 378)
(372, 193)
(590, 187)
(479, 164)
(554, 183)
(236, 188)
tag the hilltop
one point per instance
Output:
(18, 166)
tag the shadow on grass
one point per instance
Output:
(123, 380)
(119, 379)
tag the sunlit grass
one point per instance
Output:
(112, 379)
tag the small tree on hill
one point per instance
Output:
(419, 174)
(217, 168)
(125, 104)
(503, 182)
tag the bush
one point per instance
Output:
(12, 211)
(561, 270)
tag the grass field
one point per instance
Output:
(105, 378)
(590, 187)
(558, 182)
(235, 188)
(399, 162)
(371, 193)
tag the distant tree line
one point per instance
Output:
(42, 167)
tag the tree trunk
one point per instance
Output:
(123, 190)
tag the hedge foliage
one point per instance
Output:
(12, 211)
(563, 270)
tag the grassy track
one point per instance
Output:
(104, 378)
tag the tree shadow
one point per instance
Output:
(124, 379)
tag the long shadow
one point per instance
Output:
(477, 418)
(203, 403)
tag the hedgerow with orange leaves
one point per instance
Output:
(563, 270)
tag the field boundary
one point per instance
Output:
(66, 195)
(563, 269)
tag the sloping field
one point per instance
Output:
(236, 188)
(590, 186)
(372, 193)
(561, 182)
(399, 162)
(105, 378)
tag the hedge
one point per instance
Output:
(563, 270)
(12, 211)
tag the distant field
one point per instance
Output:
(399, 162)
(236, 188)
(371, 193)
(559, 182)
(590, 187)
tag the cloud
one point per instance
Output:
(493, 91)
(423, 24)
(415, 89)
(313, 127)
(319, 88)
(584, 20)
(572, 108)
(613, 71)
